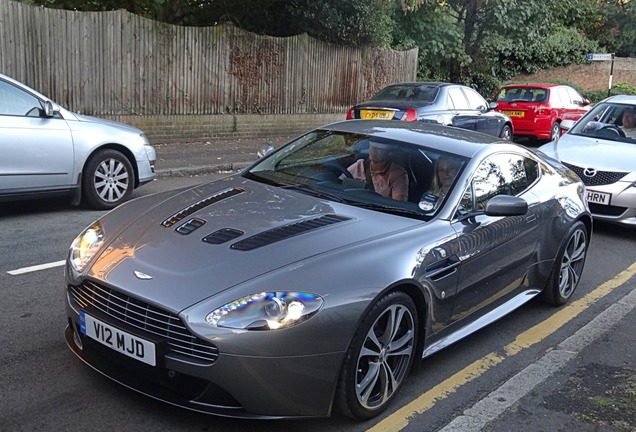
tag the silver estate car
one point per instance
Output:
(48, 150)
(601, 149)
(296, 289)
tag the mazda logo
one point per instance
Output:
(589, 172)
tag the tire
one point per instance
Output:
(506, 133)
(380, 357)
(568, 266)
(555, 132)
(108, 179)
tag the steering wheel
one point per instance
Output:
(341, 169)
(612, 128)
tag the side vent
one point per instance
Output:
(223, 235)
(287, 231)
(190, 226)
(182, 214)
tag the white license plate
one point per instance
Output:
(598, 197)
(118, 340)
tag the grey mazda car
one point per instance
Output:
(601, 149)
(50, 151)
(299, 288)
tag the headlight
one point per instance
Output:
(144, 139)
(85, 245)
(266, 311)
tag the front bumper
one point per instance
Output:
(232, 386)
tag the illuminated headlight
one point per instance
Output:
(85, 245)
(266, 311)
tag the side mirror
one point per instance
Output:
(566, 125)
(585, 102)
(493, 105)
(50, 108)
(506, 205)
(264, 150)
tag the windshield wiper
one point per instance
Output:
(317, 193)
(389, 209)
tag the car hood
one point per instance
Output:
(592, 153)
(100, 121)
(207, 239)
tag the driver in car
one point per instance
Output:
(629, 123)
(381, 174)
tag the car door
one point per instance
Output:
(496, 252)
(37, 151)
(578, 106)
(478, 106)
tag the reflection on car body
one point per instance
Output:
(291, 276)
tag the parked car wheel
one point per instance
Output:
(506, 133)
(379, 358)
(108, 179)
(568, 266)
(555, 132)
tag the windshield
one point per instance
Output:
(411, 92)
(608, 121)
(384, 175)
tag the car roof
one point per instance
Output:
(434, 136)
(430, 83)
(533, 85)
(625, 99)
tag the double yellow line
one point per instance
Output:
(400, 418)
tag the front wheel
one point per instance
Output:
(568, 266)
(379, 358)
(108, 179)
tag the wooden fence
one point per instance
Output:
(117, 63)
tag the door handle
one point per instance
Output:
(442, 268)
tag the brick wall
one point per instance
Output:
(191, 128)
(589, 76)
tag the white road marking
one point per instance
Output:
(36, 268)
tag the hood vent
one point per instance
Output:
(287, 231)
(190, 226)
(223, 235)
(182, 214)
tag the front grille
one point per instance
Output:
(600, 178)
(125, 309)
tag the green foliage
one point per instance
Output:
(617, 89)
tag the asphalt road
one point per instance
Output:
(43, 387)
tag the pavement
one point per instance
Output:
(576, 386)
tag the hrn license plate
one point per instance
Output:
(376, 115)
(118, 340)
(515, 113)
(598, 197)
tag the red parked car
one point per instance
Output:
(536, 110)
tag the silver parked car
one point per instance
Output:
(601, 149)
(296, 287)
(48, 150)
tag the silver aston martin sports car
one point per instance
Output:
(601, 149)
(311, 282)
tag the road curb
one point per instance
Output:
(487, 410)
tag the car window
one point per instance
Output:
(575, 97)
(416, 93)
(16, 102)
(564, 95)
(475, 101)
(458, 98)
(605, 121)
(500, 174)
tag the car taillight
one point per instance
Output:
(410, 115)
(542, 109)
(350, 115)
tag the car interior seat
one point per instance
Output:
(419, 169)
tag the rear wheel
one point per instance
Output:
(568, 266)
(108, 179)
(379, 358)
(555, 132)
(506, 133)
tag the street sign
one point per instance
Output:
(599, 57)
